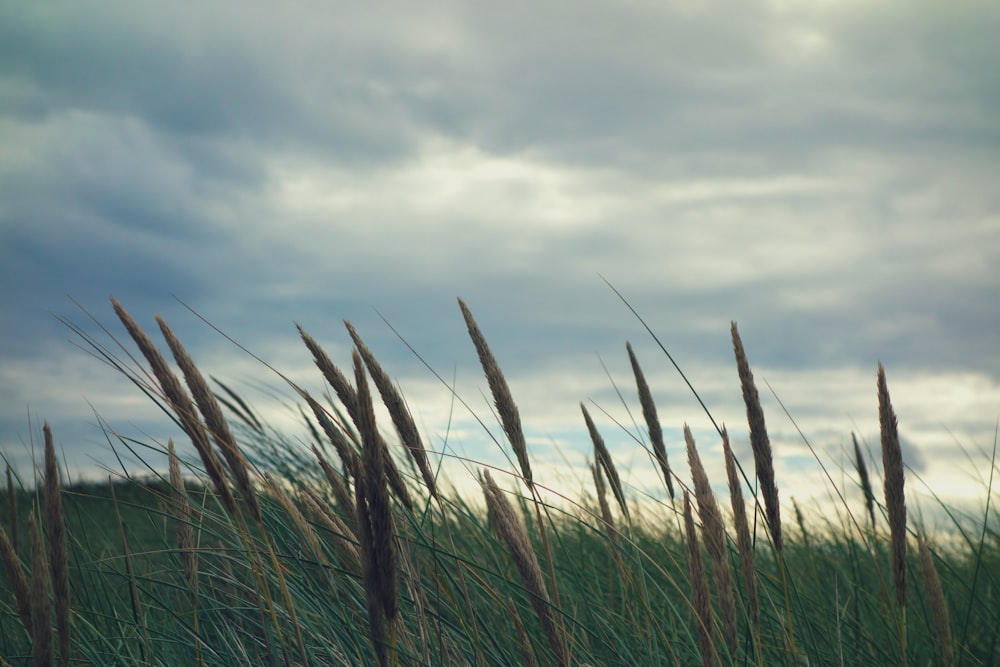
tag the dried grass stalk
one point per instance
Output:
(297, 517)
(940, 623)
(17, 578)
(506, 408)
(602, 501)
(349, 397)
(652, 421)
(55, 525)
(895, 502)
(181, 404)
(714, 534)
(345, 450)
(41, 607)
(345, 536)
(604, 459)
(400, 414)
(699, 589)
(800, 520)
(339, 486)
(505, 522)
(341, 385)
(376, 495)
(759, 441)
(744, 544)
(523, 641)
(214, 420)
(370, 576)
(182, 526)
(866, 482)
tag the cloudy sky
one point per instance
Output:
(825, 174)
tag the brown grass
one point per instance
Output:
(348, 396)
(17, 578)
(332, 522)
(374, 510)
(400, 414)
(214, 420)
(603, 457)
(504, 520)
(714, 535)
(699, 589)
(895, 502)
(339, 486)
(506, 408)
(865, 479)
(759, 441)
(181, 404)
(345, 450)
(652, 421)
(744, 543)
(55, 525)
(940, 623)
(41, 588)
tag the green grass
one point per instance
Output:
(276, 591)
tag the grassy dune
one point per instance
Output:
(261, 552)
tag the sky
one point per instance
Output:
(822, 173)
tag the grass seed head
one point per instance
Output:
(759, 441)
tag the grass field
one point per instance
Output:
(261, 552)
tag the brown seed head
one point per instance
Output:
(759, 441)
(216, 422)
(603, 457)
(400, 414)
(652, 420)
(506, 408)
(892, 464)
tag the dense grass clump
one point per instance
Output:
(260, 551)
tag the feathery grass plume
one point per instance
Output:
(17, 578)
(214, 420)
(400, 414)
(527, 654)
(506, 408)
(759, 441)
(602, 502)
(604, 458)
(348, 396)
(12, 520)
(345, 450)
(370, 575)
(184, 532)
(55, 526)
(339, 485)
(345, 536)
(699, 588)
(744, 543)
(182, 526)
(376, 492)
(182, 406)
(297, 517)
(41, 609)
(714, 535)
(895, 502)
(505, 522)
(866, 482)
(341, 385)
(940, 622)
(800, 520)
(652, 421)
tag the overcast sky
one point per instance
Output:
(823, 173)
